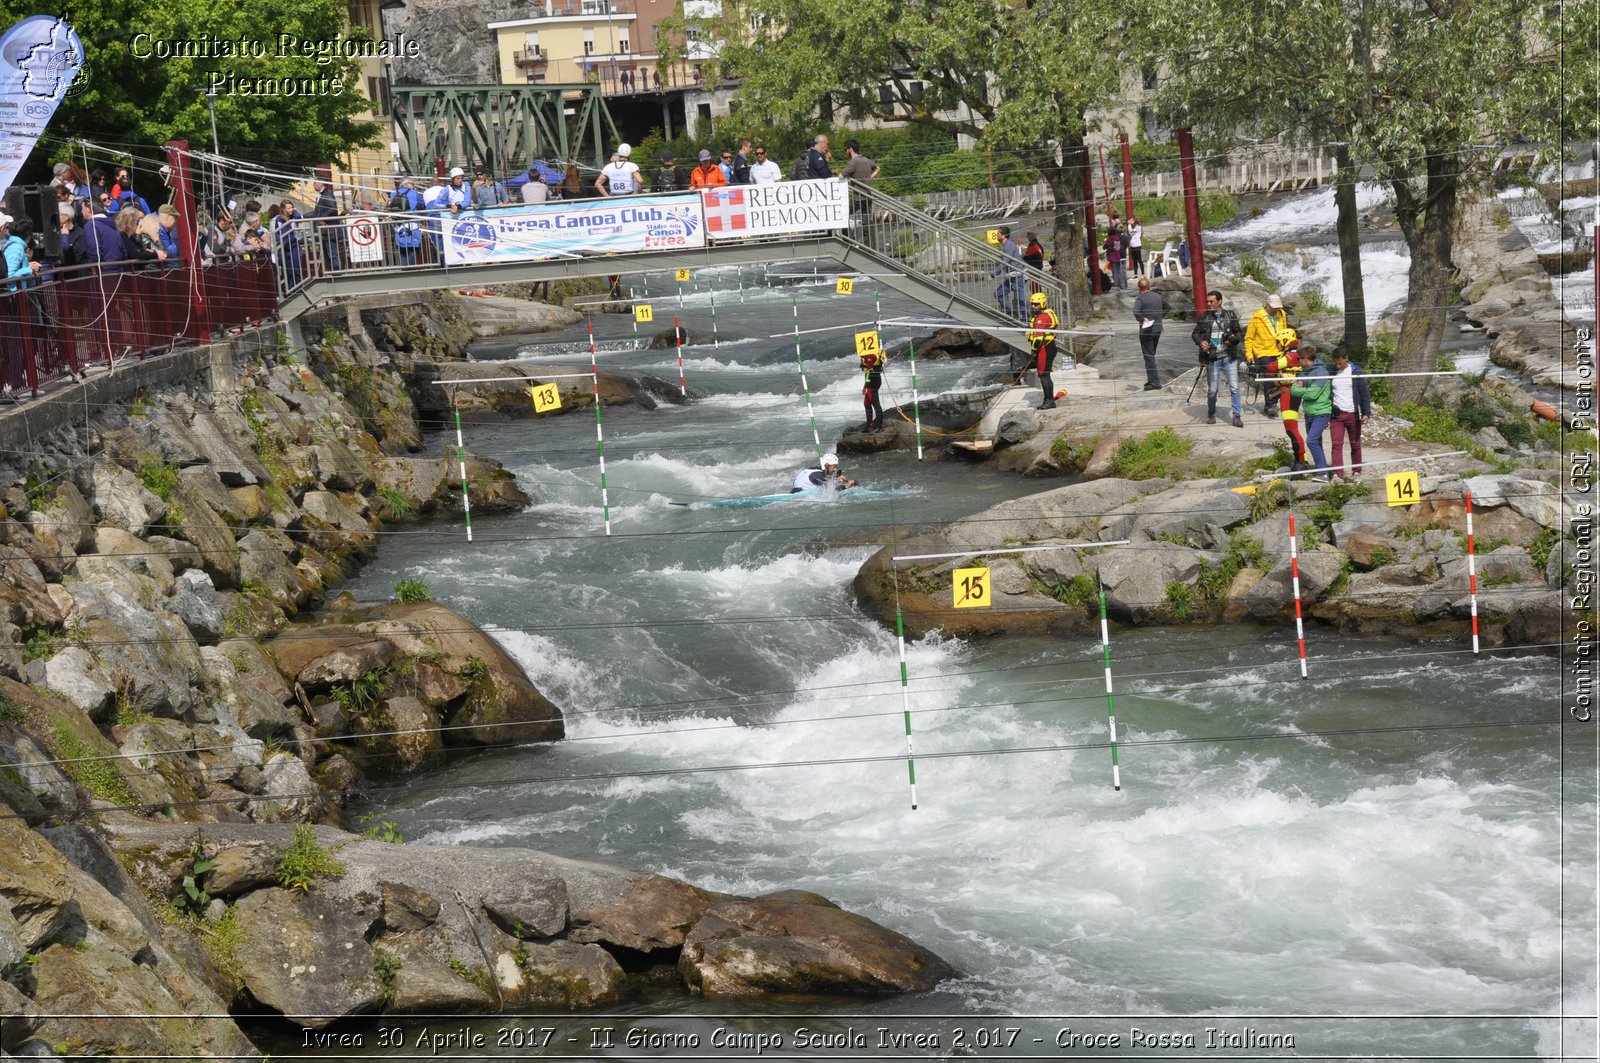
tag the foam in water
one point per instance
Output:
(1309, 213)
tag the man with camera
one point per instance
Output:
(1217, 334)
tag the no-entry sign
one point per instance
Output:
(365, 244)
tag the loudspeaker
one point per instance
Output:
(37, 203)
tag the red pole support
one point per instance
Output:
(1105, 180)
(1191, 211)
(1472, 571)
(1299, 621)
(1091, 234)
(1127, 176)
(188, 239)
(30, 356)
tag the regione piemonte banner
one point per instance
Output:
(39, 57)
(771, 210)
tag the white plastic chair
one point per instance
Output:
(1170, 266)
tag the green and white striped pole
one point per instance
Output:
(916, 402)
(816, 436)
(715, 340)
(461, 462)
(599, 432)
(905, 695)
(1111, 708)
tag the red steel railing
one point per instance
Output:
(70, 319)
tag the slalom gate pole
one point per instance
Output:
(715, 340)
(1472, 571)
(905, 696)
(794, 302)
(461, 462)
(916, 402)
(634, 299)
(1299, 623)
(677, 336)
(1111, 708)
(741, 285)
(680, 297)
(599, 432)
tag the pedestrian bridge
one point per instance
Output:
(864, 231)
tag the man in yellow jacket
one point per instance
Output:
(1267, 336)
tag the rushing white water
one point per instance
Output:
(1385, 840)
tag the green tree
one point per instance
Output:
(1018, 77)
(1422, 91)
(126, 99)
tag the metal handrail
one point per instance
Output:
(883, 228)
(966, 267)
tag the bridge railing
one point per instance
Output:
(947, 257)
(963, 265)
(76, 318)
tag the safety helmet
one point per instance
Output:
(829, 459)
(1038, 300)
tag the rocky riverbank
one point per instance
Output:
(177, 690)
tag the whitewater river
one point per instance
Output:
(1369, 863)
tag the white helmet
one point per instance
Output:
(456, 171)
(829, 459)
(624, 150)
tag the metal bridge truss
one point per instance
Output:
(506, 126)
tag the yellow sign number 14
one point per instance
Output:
(1402, 488)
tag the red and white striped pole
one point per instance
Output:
(1299, 621)
(677, 335)
(1472, 571)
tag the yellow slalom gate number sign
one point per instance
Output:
(1402, 488)
(644, 313)
(994, 237)
(546, 397)
(844, 286)
(681, 274)
(970, 587)
(867, 343)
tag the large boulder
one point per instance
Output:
(1273, 595)
(1136, 578)
(66, 524)
(794, 942)
(96, 1000)
(561, 974)
(36, 884)
(306, 955)
(501, 704)
(122, 500)
(654, 913)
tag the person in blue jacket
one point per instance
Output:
(407, 231)
(19, 269)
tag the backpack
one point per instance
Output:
(801, 170)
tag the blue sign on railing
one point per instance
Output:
(586, 227)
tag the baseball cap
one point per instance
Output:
(705, 156)
(667, 156)
(624, 150)
(1275, 301)
(6, 219)
(479, 169)
(456, 171)
(169, 210)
